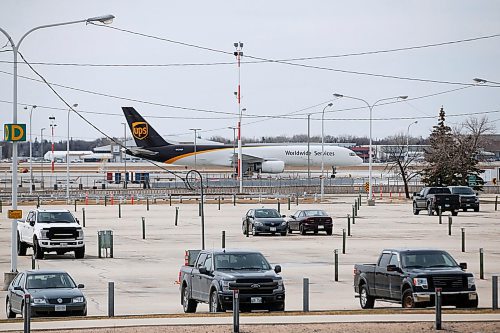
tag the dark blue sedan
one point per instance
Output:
(51, 292)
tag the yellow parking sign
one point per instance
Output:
(15, 214)
(14, 132)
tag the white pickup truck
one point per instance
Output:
(50, 230)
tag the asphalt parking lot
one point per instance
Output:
(145, 271)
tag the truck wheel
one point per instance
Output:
(37, 250)
(188, 305)
(415, 210)
(429, 210)
(407, 301)
(454, 213)
(476, 209)
(21, 246)
(366, 301)
(302, 229)
(283, 233)
(80, 253)
(8, 310)
(329, 231)
(214, 302)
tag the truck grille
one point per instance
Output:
(62, 233)
(256, 286)
(449, 283)
(64, 300)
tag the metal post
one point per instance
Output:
(279, 210)
(496, 202)
(336, 262)
(147, 204)
(234, 199)
(219, 202)
(247, 227)
(440, 213)
(305, 295)
(223, 239)
(120, 210)
(38, 201)
(450, 221)
(288, 203)
(359, 200)
(111, 299)
(353, 218)
(170, 199)
(1, 206)
(348, 225)
(438, 308)
(176, 215)
(481, 263)
(143, 227)
(75, 204)
(33, 262)
(494, 289)
(199, 209)
(236, 311)
(99, 244)
(353, 211)
(297, 200)
(83, 217)
(343, 241)
(463, 239)
(27, 313)
(105, 200)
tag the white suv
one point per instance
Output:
(50, 230)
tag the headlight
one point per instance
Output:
(80, 299)
(39, 301)
(225, 284)
(283, 223)
(258, 224)
(420, 282)
(471, 282)
(44, 234)
(80, 233)
(280, 285)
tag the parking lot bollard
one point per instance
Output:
(279, 208)
(440, 214)
(180, 198)
(305, 295)
(494, 292)
(119, 210)
(223, 239)
(111, 299)
(353, 212)
(359, 200)
(105, 200)
(234, 199)
(438, 308)
(353, 219)
(176, 215)
(348, 225)
(236, 311)
(463, 239)
(199, 208)
(33, 262)
(496, 202)
(343, 241)
(27, 313)
(38, 202)
(83, 217)
(481, 263)
(289, 203)
(450, 221)
(147, 204)
(297, 200)
(170, 199)
(336, 264)
(219, 202)
(143, 227)
(1, 206)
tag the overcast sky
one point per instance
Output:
(270, 30)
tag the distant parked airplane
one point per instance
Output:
(256, 158)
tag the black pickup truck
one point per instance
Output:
(212, 276)
(433, 198)
(411, 277)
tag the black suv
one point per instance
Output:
(468, 198)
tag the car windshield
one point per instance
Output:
(55, 217)
(315, 213)
(270, 213)
(241, 261)
(50, 281)
(427, 259)
(462, 190)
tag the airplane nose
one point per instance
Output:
(359, 160)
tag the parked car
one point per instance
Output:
(210, 277)
(264, 220)
(432, 199)
(54, 230)
(468, 198)
(310, 220)
(52, 293)
(410, 277)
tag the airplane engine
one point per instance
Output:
(272, 167)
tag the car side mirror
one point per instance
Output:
(292, 216)
(463, 265)
(81, 286)
(277, 269)
(393, 268)
(415, 194)
(77, 220)
(203, 270)
(32, 223)
(283, 216)
(18, 288)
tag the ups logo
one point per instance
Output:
(140, 130)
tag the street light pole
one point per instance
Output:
(42, 183)
(408, 139)
(52, 162)
(323, 149)
(125, 179)
(67, 157)
(234, 150)
(195, 135)
(371, 202)
(31, 148)
(15, 48)
(238, 53)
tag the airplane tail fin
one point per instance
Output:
(144, 135)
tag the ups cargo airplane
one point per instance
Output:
(255, 157)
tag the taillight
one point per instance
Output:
(179, 278)
(186, 259)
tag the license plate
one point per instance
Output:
(472, 296)
(447, 205)
(272, 228)
(467, 205)
(60, 308)
(256, 300)
(321, 226)
(63, 244)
